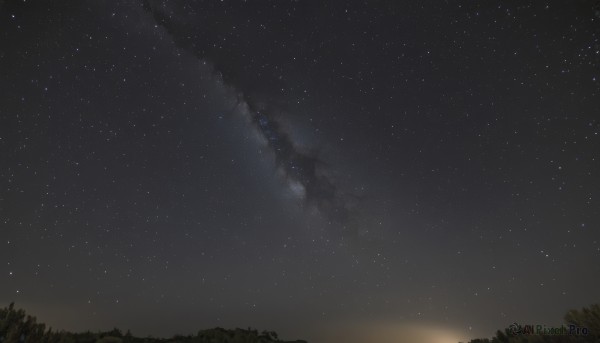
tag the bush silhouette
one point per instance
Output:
(585, 322)
(18, 327)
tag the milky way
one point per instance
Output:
(304, 172)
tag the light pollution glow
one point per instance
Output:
(392, 332)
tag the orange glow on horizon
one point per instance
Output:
(393, 332)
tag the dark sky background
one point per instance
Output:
(390, 171)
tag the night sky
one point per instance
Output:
(388, 171)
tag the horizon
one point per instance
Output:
(387, 331)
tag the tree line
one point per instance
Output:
(18, 327)
(582, 326)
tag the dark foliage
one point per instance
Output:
(588, 318)
(17, 327)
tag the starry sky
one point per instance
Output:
(390, 171)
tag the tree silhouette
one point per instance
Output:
(582, 326)
(17, 327)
